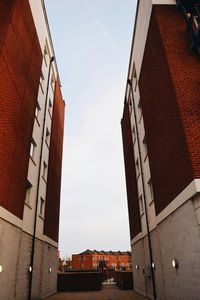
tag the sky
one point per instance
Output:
(92, 40)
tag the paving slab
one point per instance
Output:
(108, 292)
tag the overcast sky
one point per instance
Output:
(92, 40)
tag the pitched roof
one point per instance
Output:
(102, 252)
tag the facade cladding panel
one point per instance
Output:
(20, 65)
(164, 107)
(55, 166)
(131, 181)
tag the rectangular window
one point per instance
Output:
(139, 111)
(41, 76)
(137, 168)
(133, 134)
(41, 207)
(145, 148)
(37, 111)
(141, 204)
(150, 190)
(42, 81)
(47, 138)
(45, 55)
(50, 107)
(28, 192)
(32, 149)
(44, 173)
(134, 82)
(52, 81)
(130, 101)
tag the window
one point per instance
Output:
(37, 110)
(47, 138)
(52, 82)
(150, 189)
(45, 55)
(137, 168)
(140, 111)
(41, 76)
(130, 101)
(28, 192)
(41, 81)
(50, 107)
(32, 149)
(41, 207)
(44, 173)
(133, 134)
(145, 148)
(134, 79)
(141, 204)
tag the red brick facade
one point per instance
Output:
(185, 72)
(92, 260)
(131, 183)
(55, 166)
(170, 96)
(20, 65)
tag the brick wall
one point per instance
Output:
(52, 207)
(131, 183)
(185, 72)
(87, 261)
(20, 64)
(84, 262)
(166, 97)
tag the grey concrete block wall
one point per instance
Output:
(176, 237)
(9, 247)
(157, 259)
(171, 289)
(15, 253)
(37, 270)
(186, 239)
(22, 279)
(49, 277)
(139, 261)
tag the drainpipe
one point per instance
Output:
(38, 186)
(144, 195)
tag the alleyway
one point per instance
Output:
(108, 292)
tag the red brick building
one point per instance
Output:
(93, 260)
(31, 139)
(161, 141)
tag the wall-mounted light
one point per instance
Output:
(175, 263)
(50, 270)
(30, 269)
(153, 265)
(137, 267)
(1, 268)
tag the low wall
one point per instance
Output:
(79, 281)
(124, 279)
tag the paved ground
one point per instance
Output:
(108, 292)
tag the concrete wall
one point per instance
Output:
(176, 237)
(15, 254)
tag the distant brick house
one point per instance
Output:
(93, 260)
